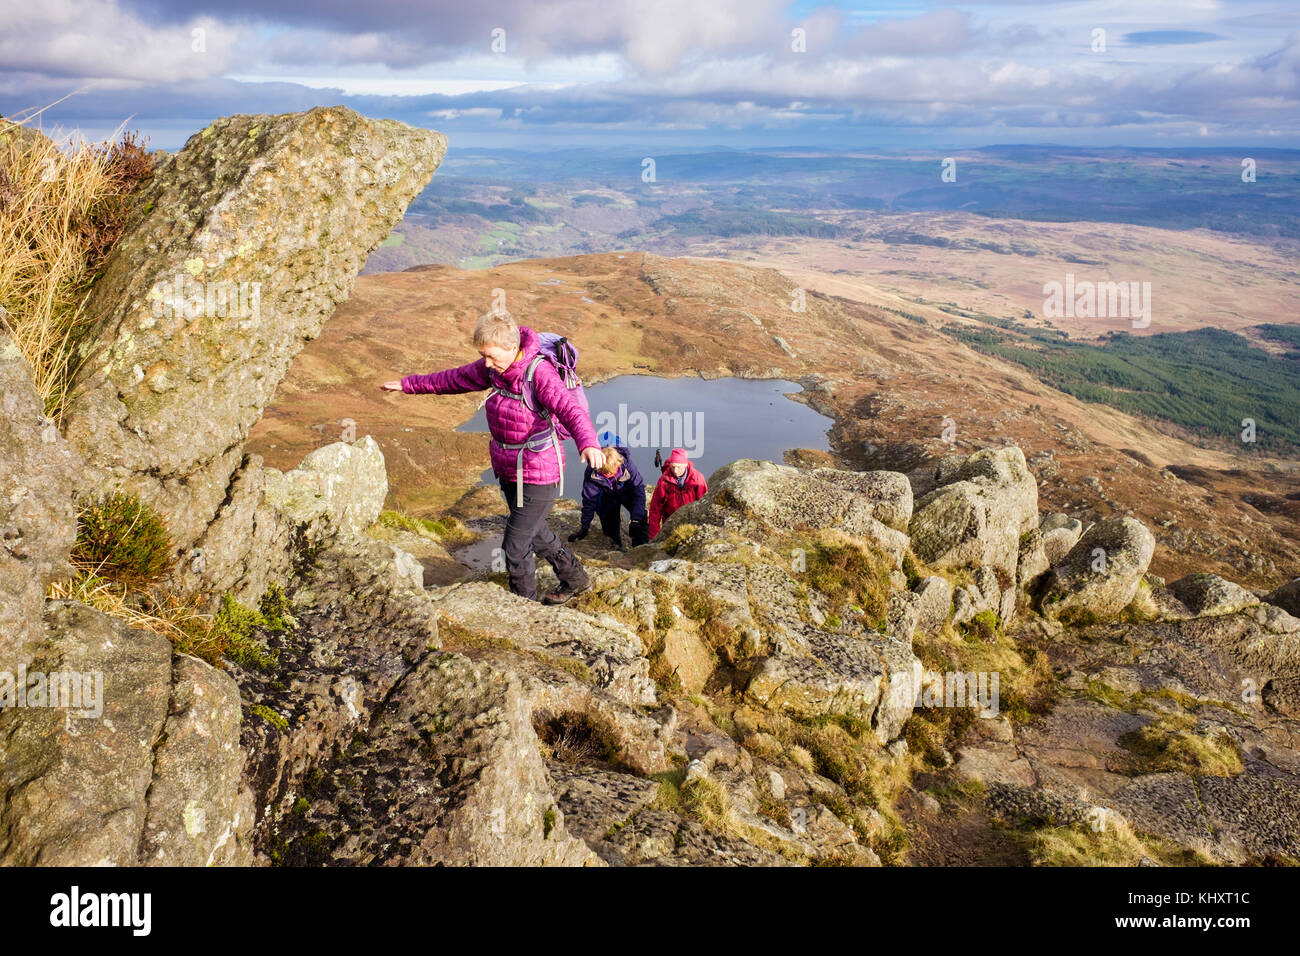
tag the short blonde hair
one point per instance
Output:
(613, 461)
(496, 328)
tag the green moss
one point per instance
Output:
(679, 534)
(984, 626)
(313, 850)
(233, 629)
(272, 717)
(1185, 701)
(663, 593)
(696, 603)
(1077, 616)
(300, 806)
(548, 823)
(276, 611)
(1103, 693)
(669, 797)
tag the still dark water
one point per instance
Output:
(715, 420)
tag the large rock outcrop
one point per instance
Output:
(155, 777)
(750, 496)
(1100, 576)
(976, 516)
(478, 794)
(247, 240)
(39, 476)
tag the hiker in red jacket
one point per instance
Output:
(679, 484)
(529, 420)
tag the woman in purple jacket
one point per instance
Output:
(527, 451)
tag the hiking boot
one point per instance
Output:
(564, 594)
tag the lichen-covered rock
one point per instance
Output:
(596, 801)
(608, 649)
(976, 517)
(244, 243)
(838, 675)
(903, 675)
(935, 604)
(687, 656)
(340, 487)
(965, 604)
(657, 838)
(750, 497)
(478, 794)
(200, 810)
(1236, 820)
(1100, 576)
(360, 627)
(862, 675)
(1211, 594)
(1060, 534)
(902, 616)
(75, 788)
(1032, 562)
(39, 478)
(889, 492)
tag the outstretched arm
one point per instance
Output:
(464, 378)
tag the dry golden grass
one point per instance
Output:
(188, 628)
(1114, 845)
(61, 210)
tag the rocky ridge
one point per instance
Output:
(770, 682)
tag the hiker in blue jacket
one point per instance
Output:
(615, 485)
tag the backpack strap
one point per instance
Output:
(529, 375)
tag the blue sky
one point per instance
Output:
(641, 74)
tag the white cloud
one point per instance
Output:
(85, 41)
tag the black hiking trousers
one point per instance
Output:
(610, 513)
(528, 535)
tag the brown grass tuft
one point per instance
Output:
(61, 211)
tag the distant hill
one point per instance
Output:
(591, 200)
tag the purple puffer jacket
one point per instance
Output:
(508, 420)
